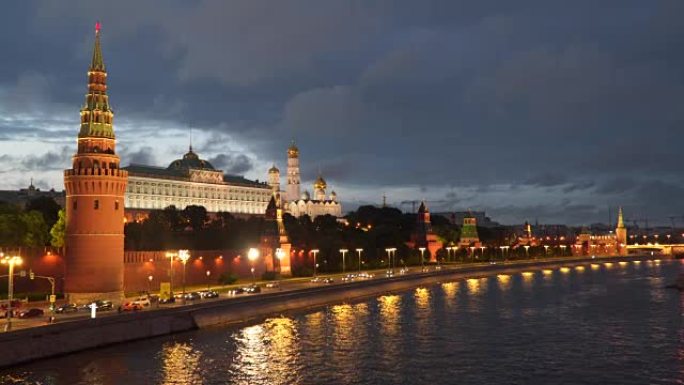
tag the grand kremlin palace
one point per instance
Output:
(191, 181)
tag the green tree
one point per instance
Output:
(58, 230)
(36, 231)
(46, 206)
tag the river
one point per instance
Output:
(607, 323)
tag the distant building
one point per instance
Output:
(23, 196)
(457, 217)
(613, 243)
(422, 235)
(527, 238)
(469, 236)
(298, 204)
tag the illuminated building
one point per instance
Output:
(423, 236)
(192, 181)
(95, 189)
(469, 236)
(298, 204)
(613, 243)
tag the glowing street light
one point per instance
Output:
(184, 255)
(253, 255)
(171, 255)
(208, 280)
(149, 284)
(359, 251)
(422, 258)
(10, 261)
(546, 250)
(315, 265)
(344, 253)
(280, 254)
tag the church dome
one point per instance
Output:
(190, 160)
(306, 196)
(273, 170)
(320, 184)
(292, 151)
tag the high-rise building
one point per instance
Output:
(95, 188)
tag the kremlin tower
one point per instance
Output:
(422, 235)
(293, 179)
(621, 234)
(95, 189)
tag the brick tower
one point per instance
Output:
(422, 235)
(95, 198)
(621, 235)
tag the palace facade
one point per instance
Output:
(192, 181)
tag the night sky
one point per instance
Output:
(530, 110)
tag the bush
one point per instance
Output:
(227, 279)
(269, 276)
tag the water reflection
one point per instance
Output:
(450, 290)
(595, 266)
(474, 286)
(422, 296)
(504, 281)
(180, 364)
(389, 313)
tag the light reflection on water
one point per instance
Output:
(582, 326)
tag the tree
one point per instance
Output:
(58, 230)
(196, 216)
(46, 206)
(36, 231)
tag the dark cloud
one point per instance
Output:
(232, 164)
(509, 103)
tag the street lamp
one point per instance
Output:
(389, 259)
(149, 284)
(171, 255)
(315, 265)
(546, 250)
(208, 280)
(344, 253)
(359, 251)
(10, 261)
(184, 255)
(422, 258)
(252, 255)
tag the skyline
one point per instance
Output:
(393, 100)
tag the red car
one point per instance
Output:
(132, 306)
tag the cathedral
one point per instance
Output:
(298, 203)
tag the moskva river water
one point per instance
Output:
(607, 323)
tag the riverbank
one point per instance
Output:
(73, 336)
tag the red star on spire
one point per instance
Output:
(97, 27)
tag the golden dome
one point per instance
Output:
(273, 170)
(292, 151)
(320, 184)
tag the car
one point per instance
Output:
(67, 308)
(273, 285)
(236, 291)
(209, 294)
(252, 289)
(328, 280)
(365, 275)
(31, 313)
(315, 280)
(403, 271)
(166, 300)
(101, 305)
(131, 306)
(178, 296)
(192, 296)
(144, 301)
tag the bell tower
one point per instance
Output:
(293, 178)
(95, 189)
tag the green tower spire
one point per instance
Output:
(96, 115)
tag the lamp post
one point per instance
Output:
(344, 253)
(252, 255)
(359, 251)
(10, 261)
(389, 259)
(422, 258)
(171, 255)
(279, 255)
(208, 280)
(149, 284)
(546, 250)
(184, 255)
(315, 265)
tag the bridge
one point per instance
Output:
(676, 249)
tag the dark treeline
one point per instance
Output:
(28, 225)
